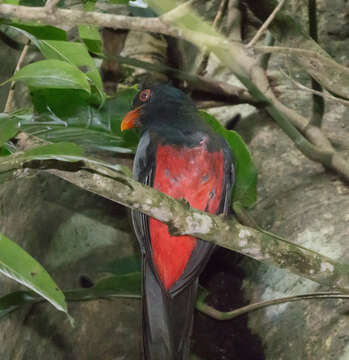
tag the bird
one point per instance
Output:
(180, 155)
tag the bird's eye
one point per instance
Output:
(144, 95)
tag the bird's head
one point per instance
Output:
(159, 105)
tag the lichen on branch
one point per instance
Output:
(117, 185)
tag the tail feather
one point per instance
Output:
(167, 320)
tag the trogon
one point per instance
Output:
(180, 155)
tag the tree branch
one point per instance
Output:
(315, 92)
(184, 220)
(9, 101)
(204, 61)
(50, 6)
(225, 91)
(228, 315)
(320, 67)
(290, 34)
(116, 185)
(265, 25)
(79, 17)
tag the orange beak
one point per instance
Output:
(131, 119)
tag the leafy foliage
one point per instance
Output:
(67, 92)
(15, 300)
(130, 264)
(8, 128)
(53, 73)
(91, 37)
(81, 122)
(125, 282)
(36, 31)
(17, 264)
(64, 151)
(52, 43)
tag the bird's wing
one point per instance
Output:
(204, 249)
(143, 169)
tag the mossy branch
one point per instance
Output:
(117, 185)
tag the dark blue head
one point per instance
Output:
(159, 106)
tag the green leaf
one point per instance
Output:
(4, 152)
(245, 188)
(14, 301)
(120, 284)
(57, 151)
(120, 2)
(72, 52)
(11, 2)
(36, 31)
(68, 152)
(63, 151)
(66, 115)
(96, 79)
(18, 265)
(52, 74)
(34, 3)
(8, 128)
(90, 35)
(89, 5)
(130, 264)
(75, 54)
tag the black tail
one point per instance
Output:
(167, 320)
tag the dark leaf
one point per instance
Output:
(120, 2)
(90, 35)
(14, 301)
(123, 266)
(58, 151)
(66, 115)
(120, 284)
(8, 128)
(18, 265)
(41, 32)
(76, 54)
(53, 74)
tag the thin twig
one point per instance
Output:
(9, 102)
(265, 24)
(318, 66)
(264, 58)
(228, 315)
(318, 101)
(51, 6)
(78, 17)
(203, 64)
(243, 216)
(229, 93)
(318, 93)
(219, 14)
